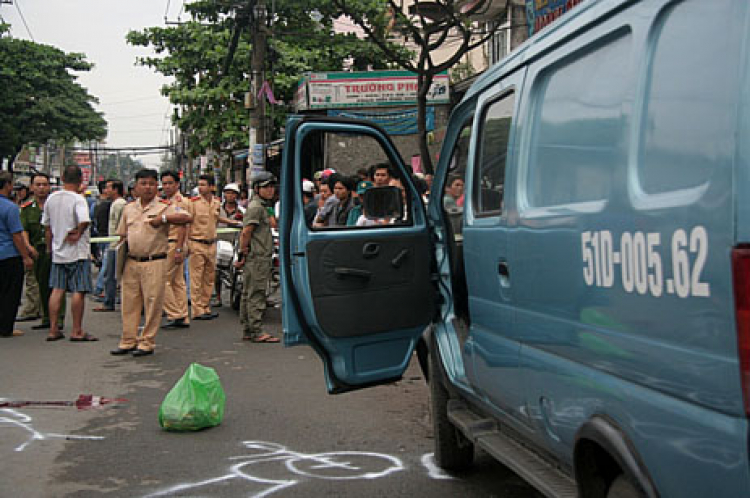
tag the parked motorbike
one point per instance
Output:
(234, 276)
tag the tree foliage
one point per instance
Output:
(41, 99)
(123, 168)
(429, 26)
(211, 112)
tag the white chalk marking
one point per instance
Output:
(338, 465)
(23, 421)
(435, 472)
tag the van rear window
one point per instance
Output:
(580, 126)
(690, 106)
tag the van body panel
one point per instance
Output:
(599, 279)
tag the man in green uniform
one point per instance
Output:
(256, 252)
(31, 219)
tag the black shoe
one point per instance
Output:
(205, 316)
(41, 326)
(176, 324)
(121, 351)
(141, 352)
(211, 315)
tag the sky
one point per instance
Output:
(129, 97)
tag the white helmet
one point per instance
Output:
(233, 187)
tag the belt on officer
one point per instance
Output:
(201, 241)
(143, 259)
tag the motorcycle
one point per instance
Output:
(233, 276)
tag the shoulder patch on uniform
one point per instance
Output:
(27, 204)
(193, 199)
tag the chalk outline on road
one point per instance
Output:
(271, 452)
(23, 421)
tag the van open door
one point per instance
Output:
(358, 289)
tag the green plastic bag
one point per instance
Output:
(195, 402)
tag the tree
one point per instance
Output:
(120, 167)
(212, 113)
(429, 26)
(41, 99)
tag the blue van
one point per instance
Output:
(581, 299)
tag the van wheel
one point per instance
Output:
(453, 451)
(622, 488)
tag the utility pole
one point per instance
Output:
(257, 63)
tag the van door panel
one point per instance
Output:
(624, 298)
(494, 343)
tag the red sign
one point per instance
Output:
(86, 174)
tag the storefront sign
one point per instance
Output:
(366, 89)
(542, 13)
(395, 122)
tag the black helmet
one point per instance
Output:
(263, 178)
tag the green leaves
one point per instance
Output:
(41, 99)
(212, 113)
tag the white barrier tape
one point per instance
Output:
(115, 238)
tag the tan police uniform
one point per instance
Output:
(175, 293)
(145, 271)
(202, 244)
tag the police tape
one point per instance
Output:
(115, 238)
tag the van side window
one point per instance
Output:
(691, 114)
(489, 179)
(580, 124)
(453, 197)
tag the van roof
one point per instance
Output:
(582, 14)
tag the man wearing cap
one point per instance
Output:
(175, 292)
(145, 227)
(205, 210)
(308, 199)
(356, 211)
(256, 252)
(230, 210)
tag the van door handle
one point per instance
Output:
(502, 269)
(370, 250)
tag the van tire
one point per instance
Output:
(453, 451)
(622, 487)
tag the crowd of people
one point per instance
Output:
(45, 239)
(163, 256)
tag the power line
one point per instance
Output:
(166, 11)
(18, 8)
(130, 100)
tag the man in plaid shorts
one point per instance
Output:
(66, 220)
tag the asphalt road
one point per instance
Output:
(282, 434)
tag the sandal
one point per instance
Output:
(57, 337)
(84, 338)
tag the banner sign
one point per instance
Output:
(395, 122)
(542, 13)
(366, 89)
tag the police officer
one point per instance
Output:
(175, 297)
(256, 252)
(145, 226)
(31, 219)
(205, 211)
